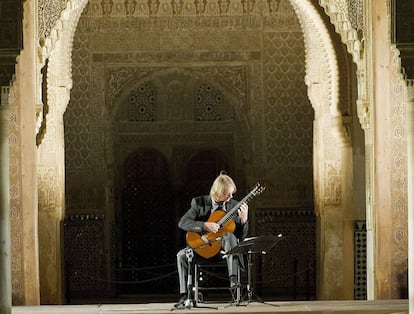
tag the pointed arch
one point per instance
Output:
(324, 90)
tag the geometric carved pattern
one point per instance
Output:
(84, 247)
(78, 116)
(142, 104)
(16, 212)
(148, 241)
(288, 270)
(354, 11)
(398, 182)
(208, 99)
(234, 77)
(288, 117)
(209, 105)
(48, 13)
(356, 17)
(143, 8)
(360, 260)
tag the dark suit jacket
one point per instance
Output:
(199, 212)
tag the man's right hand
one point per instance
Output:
(211, 227)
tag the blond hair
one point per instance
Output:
(221, 186)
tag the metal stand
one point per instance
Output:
(252, 246)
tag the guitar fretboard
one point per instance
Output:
(255, 191)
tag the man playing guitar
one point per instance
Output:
(210, 229)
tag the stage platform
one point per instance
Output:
(320, 307)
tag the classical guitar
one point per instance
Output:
(208, 244)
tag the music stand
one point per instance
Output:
(254, 245)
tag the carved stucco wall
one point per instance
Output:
(398, 184)
(270, 135)
(261, 108)
(185, 105)
(49, 13)
(115, 8)
(53, 25)
(16, 223)
(353, 22)
(338, 10)
(23, 187)
(332, 152)
(23, 157)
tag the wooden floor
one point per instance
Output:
(322, 307)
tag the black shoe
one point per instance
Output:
(234, 283)
(181, 303)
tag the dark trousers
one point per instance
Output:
(228, 242)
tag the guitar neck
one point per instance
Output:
(232, 211)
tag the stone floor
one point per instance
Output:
(320, 307)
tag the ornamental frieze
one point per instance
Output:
(179, 42)
(98, 24)
(141, 8)
(231, 77)
(177, 56)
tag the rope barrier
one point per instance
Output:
(127, 282)
(210, 273)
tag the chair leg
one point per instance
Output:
(198, 295)
(235, 293)
(238, 290)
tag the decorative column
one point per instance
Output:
(5, 251)
(9, 50)
(410, 198)
(367, 108)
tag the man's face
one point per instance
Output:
(226, 196)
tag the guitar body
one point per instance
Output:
(208, 244)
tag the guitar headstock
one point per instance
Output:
(258, 189)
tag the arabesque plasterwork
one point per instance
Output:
(59, 23)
